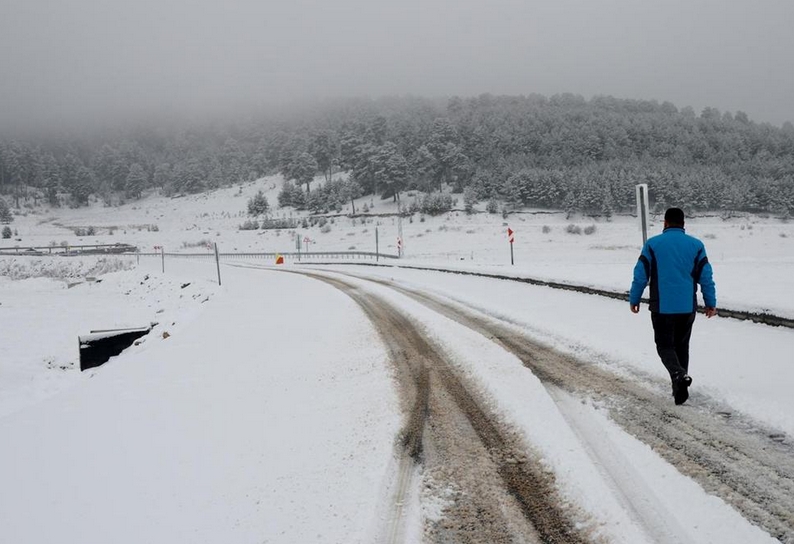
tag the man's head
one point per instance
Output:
(674, 217)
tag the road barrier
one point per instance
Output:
(295, 256)
(763, 318)
(69, 250)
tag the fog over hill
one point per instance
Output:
(90, 61)
(559, 152)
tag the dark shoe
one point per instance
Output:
(681, 388)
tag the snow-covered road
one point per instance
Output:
(277, 415)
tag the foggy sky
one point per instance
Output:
(64, 59)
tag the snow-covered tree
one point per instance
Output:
(136, 181)
(303, 169)
(391, 170)
(5, 212)
(258, 204)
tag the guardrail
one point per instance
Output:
(311, 255)
(763, 318)
(79, 249)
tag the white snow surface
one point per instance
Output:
(268, 413)
(260, 422)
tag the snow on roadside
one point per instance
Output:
(42, 317)
(263, 421)
(522, 401)
(60, 268)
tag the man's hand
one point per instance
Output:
(711, 312)
(635, 308)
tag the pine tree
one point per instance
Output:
(136, 181)
(5, 212)
(303, 170)
(52, 181)
(162, 175)
(83, 186)
(391, 170)
(285, 194)
(258, 204)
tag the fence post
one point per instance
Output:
(642, 209)
(218, 263)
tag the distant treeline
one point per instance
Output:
(562, 152)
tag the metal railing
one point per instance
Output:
(80, 249)
(294, 256)
(760, 317)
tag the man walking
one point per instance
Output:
(674, 263)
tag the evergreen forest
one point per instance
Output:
(562, 152)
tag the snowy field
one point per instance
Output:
(264, 410)
(753, 257)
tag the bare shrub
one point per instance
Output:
(249, 224)
(201, 243)
(59, 269)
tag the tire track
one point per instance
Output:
(749, 469)
(502, 493)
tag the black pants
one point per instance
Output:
(671, 332)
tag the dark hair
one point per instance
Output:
(674, 216)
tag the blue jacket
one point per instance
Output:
(674, 263)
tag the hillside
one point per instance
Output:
(560, 152)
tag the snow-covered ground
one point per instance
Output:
(753, 257)
(267, 413)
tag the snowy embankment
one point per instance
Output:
(262, 420)
(42, 316)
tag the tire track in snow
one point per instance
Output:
(747, 469)
(624, 480)
(503, 493)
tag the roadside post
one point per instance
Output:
(511, 238)
(298, 244)
(400, 232)
(162, 255)
(642, 209)
(218, 263)
(377, 247)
